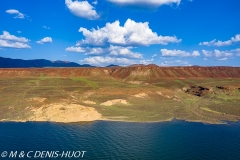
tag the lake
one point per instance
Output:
(119, 140)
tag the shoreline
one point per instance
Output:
(125, 121)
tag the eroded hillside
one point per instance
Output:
(151, 72)
(137, 93)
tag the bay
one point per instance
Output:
(124, 140)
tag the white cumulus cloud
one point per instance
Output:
(112, 51)
(119, 51)
(7, 36)
(115, 44)
(237, 51)
(82, 9)
(175, 63)
(95, 51)
(11, 41)
(155, 55)
(178, 53)
(103, 61)
(75, 49)
(207, 53)
(221, 54)
(87, 50)
(131, 34)
(145, 3)
(95, 2)
(16, 13)
(146, 61)
(221, 43)
(45, 27)
(223, 59)
(45, 40)
(11, 44)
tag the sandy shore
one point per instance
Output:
(64, 113)
(113, 119)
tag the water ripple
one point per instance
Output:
(121, 140)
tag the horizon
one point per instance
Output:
(110, 65)
(106, 32)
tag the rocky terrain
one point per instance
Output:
(138, 73)
(135, 93)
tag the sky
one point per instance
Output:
(122, 32)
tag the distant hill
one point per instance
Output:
(112, 65)
(37, 63)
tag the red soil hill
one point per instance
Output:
(128, 73)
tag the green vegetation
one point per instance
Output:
(42, 77)
(89, 83)
(181, 83)
(161, 100)
(209, 110)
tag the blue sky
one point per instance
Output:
(122, 32)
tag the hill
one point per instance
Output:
(139, 73)
(37, 63)
(135, 93)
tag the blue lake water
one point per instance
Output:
(122, 140)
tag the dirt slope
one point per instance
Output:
(128, 73)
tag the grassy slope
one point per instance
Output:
(16, 92)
